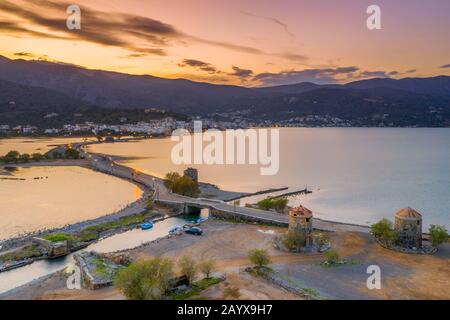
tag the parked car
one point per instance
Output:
(176, 230)
(195, 231)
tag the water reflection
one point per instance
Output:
(127, 240)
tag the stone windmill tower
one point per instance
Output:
(408, 224)
(300, 222)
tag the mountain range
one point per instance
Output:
(42, 85)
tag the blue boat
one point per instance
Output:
(147, 226)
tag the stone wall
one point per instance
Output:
(88, 279)
(54, 249)
(215, 213)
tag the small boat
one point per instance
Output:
(146, 226)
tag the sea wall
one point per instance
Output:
(222, 214)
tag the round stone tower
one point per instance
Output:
(408, 224)
(300, 221)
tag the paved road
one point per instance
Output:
(106, 164)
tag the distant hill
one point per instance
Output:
(434, 86)
(404, 108)
(117, 90)
(27, 105)
(423, 101)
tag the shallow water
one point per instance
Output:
(35, 145)
(357, 175)
(50, 197)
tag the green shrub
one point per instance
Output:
(25, 157)
(438, 235)
(383, 230)
(293, 240)
(188, 268)
(277, 204)
(26, 252)
(71, 153)
(259, 257)
(207, 267)
(332, 256)
(37, 157)
(146, 279)
(381, 227)
(182, 185)
(11, 156)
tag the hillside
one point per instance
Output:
(409, 101)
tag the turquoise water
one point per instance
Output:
(357, 175)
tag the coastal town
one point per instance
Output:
(222, 121)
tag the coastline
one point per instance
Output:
(137, 206)
(144, 182)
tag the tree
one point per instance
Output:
(170, 179)
(438, 235)
(181, 185)
(186, 187)
(146, 279)
(71, 153)
(332, 256)
(381, 228)
(207, 267)
(259, 257)
(12, 156)
(188, 268)
(56, 155)
(37, 157)
(25, 157)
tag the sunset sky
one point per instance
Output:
(246, 42)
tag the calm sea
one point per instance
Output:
(357, 175)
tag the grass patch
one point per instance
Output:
(93, 232)
(197, 288)
(24, 253)
(58, 237)
(101, 268)
(236, 221)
